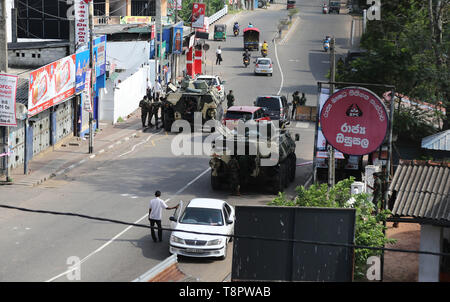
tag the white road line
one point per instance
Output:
(124, 231)
(279, 66)
(143, 142)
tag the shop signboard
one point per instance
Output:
(8, 89)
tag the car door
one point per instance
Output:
(231, 216)
(176, 215)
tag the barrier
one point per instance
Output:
(213, 18)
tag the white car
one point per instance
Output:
(202, 215)
(216, 81)
(263, 66)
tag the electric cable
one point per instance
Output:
(310, 242)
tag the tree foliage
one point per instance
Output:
(409, 48)
(369, 227)
(212, 6)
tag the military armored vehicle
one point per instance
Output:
(193, 96)
(267, 160)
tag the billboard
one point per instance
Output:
(8, 89)
(82, 62)
(51, 84)
(81, 23)
(354, 121)
(177, 42)
(198, 15)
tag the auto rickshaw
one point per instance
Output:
(220, 32)
(251, 38)
(290, 4)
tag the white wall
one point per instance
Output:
(9, 5)
(430, 240)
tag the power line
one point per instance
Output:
(336, 244)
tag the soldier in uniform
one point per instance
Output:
(155, 106)
(233, 165)
(145, 110)
(295, 103)
(230, 99)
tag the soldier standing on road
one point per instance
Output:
(233, 165)
(154, 214)
(295, 103)
(230, 99)
(303, 99)
(145, 110)
(156, 104)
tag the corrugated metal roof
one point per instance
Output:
(438, 141)
(422, 190)
(22, 91)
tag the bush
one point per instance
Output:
(369, 227)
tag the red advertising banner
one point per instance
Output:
(51, 84)
(354, 121)
(198, 15)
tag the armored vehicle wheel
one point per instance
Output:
(215, 183)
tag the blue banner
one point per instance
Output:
(177, 42)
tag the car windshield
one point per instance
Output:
(202, 216)
(268, 102)
(264, 62)
(209, 81)
(238, 115)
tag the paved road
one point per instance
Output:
(119, 183)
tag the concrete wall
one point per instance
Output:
(35, 58)
(430, 240)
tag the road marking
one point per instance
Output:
(279, 66)
(125, 230)
(140, 143)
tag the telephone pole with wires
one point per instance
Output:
(92, 67)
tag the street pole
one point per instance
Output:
(4, 68)
(331, 159)
(92, 67)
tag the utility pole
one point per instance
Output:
(331, 159)
(4, 68)
(92, 67)
(158, 43)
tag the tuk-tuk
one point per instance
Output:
(251, 38)
(220, 32)
(290, 4)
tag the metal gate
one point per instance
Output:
(41, 132)
(64, 123)
(276, 244)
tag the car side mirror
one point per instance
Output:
(172, 218)
(297, 137)
(229, 221)
(223, 82)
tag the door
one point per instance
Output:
(176, 215)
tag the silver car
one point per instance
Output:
(263, 66)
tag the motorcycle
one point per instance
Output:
(236, 32)
(326, 45)
(264, 52)
(246, 61)
(325, 10)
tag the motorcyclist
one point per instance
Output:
(236, 26)
(246, 55)
(265, 47)
(250, 25)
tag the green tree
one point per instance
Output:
(369, 227)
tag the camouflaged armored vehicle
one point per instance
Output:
(193, 96)
(266, 158)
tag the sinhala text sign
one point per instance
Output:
(8, 88)
(354, 121)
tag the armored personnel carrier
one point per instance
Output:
(193, 96)
(266, 158)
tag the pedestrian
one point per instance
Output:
(378, 191)
(218, 55)
(295, 103)
(230, 99)
(233, 165)
(155, 214)
(303, 99)
(145, 111)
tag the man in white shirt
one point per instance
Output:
(218, 55)
(154, 214)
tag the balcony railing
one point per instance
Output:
(106, 20)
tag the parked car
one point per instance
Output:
(263, 66)
(235, 113)
(276, 106)
(213, 80)
(202, 215)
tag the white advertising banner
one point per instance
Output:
(8, 89)
(87, 99)
(81, 23)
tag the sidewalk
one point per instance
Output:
(73, 151)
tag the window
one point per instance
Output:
(270, 103)
(238, 115)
